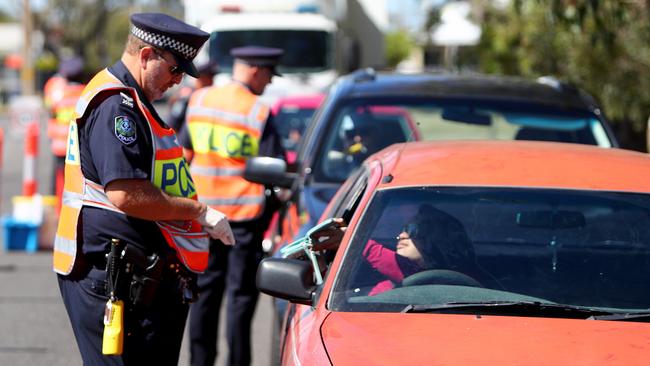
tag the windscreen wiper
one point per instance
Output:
(632, 317)
(514, 308)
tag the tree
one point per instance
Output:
(94, 29)
(600, 45)
(398, 47)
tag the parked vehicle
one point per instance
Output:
(527, 248)
(388, 108)
(321, 39)
(291, 116)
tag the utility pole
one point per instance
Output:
(27, 68)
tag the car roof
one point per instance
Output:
(514, 163)
(545, 90)
(299, 101)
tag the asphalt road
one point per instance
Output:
(34, 328)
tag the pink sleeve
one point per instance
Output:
(383, 260)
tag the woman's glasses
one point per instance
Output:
(411, 229)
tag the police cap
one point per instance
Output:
(71, 67)
(258, 56)
(169, 33)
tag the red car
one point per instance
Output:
(292, 115)
(474, 252)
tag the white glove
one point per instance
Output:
(216, 225)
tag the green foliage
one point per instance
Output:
(601, 45)
(46, 62)
(398, 47)
(94, 29)
(5, 18)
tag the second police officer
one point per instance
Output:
(225, 126)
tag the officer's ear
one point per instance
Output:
(146, 53)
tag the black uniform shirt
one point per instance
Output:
(109, 152)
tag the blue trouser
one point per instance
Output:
(153, 335)
(231, 270)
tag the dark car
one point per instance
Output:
(366, 111)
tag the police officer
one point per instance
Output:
(226, 125)
(61, 93)
(126, 179)
(178, 103)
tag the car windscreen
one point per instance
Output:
(304, 50)
(360, 127)
(474, 245)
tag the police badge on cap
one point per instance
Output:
(166, 32)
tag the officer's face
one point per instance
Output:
(263, 78)
(163, 73)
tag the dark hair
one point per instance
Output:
(441, 239)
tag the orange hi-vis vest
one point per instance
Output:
(169, 172)
(225, 125)
(64, 112)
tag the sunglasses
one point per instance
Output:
(411, 229)
(175, 70)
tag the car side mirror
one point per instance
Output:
(268, 171)
(287, 278)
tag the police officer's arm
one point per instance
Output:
(271, 142)
(140, 198)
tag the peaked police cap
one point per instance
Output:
(169, 33)
(258, 56)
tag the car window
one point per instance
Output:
(290, 122)
(347, 198)
(363, 126)
(358, 132)
(581, 248)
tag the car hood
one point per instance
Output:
(419, 339)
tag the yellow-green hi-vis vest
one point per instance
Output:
(225, 125)
(169, 173)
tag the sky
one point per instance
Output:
(410, 13)
(406, 13)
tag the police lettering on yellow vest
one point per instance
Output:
(225, 125)
(169, 173)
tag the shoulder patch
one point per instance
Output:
(125, 130)
(126, 100)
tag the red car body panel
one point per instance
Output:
(519, 163)
(304, 339)
(436, 339)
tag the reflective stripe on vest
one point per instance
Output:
(226, 125)
(168, 173)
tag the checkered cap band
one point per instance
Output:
(162, 41)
